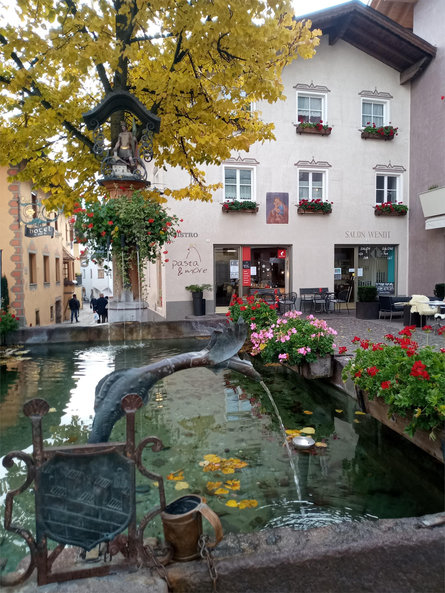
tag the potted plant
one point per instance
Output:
(306, 345)
(402, 385)
(320, 128)
(240, 206)
(367, 306)
(390, 209)
(314, 207)
(197, 295)
(379, 132)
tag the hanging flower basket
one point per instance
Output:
(314, 128)
(240, 206)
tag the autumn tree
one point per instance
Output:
(196, 64)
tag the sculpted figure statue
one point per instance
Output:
(221, 352)
(125, 147)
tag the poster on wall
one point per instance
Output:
(246, 266)
(277, 208)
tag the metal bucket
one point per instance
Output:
(182, 522)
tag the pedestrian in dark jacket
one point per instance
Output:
(93, 304)
(74, 305)
(101, 308)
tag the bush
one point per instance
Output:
(411, 381)
(8, 323)
(367, 294)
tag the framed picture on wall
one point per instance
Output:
(277, 208)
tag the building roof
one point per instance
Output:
(377, 35)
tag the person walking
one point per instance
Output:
(101, 309)
(74, 305)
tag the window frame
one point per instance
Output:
(386, 112)
(313, 95)
(399, 193)
(46, 269)
(239, 168)
(32, 264)
(324, 187)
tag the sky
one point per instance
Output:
(307, 6)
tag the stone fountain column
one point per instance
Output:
(127, 303)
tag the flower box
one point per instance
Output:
(323, 131)
(245, 210)
(392, 213)
(304, 211)
(378, 409)
(319, 369)
(376, 136)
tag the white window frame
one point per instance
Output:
(399, 194)
(322, 96)
(238, 168)
(386, 113)
(324, 173)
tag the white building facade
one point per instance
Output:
(275, 246)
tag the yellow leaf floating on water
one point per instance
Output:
(320, 444)
(232, 484)
(356, 421)
(248, 504)
(178, 475)
(307, 412)
(221, 491)
(213, 485)
(293, 432)
(360, 413)
(52, 410)
(212, 458)
(228, 470)
(181, 486)
(231, 503)
(203, 463)
(308, 430)
(339, 411)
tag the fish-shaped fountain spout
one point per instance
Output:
(221, 352)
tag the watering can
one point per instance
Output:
(182, 522)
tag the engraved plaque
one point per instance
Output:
(83, 500)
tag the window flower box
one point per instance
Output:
(314, 207)
(390, 209)
(379, 133)
(314, 128)
(240, 206)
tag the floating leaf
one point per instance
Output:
(307, 412)
(320, 444)
(52, 410)
(308, 430)
(212, 458)
(228, 470)
(213, 485)
(231, 503)
(293, 432)
(204, 463)
(339, 411)
(233, 484)
(221, 491)
(360, 413)
(356, 421)
(177, 475)
(248, 504)
(181, 486)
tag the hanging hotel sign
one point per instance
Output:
(36, 219)
(41, 230)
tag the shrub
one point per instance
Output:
(8, 323)
(367, 294)
(255, 311)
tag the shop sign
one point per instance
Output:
(281, 254)
(39, 231)
(246, 266)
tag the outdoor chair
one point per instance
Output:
(342, 298)
(420, 304)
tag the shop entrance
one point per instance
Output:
(227, 265)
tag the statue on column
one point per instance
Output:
(125, 149)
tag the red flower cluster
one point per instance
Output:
(418, 370)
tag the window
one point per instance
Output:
(46, 274)
(238, 184)
(57, 269)
(311, 185)
(51, 313)
(32, 262)
(100, 273)
(387, 189)
(310, 108)
(374, 112)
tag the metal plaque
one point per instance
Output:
(83, 500)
